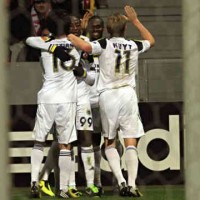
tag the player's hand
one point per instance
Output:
(84, 21)
(60, 52)
(79, 71)
(131, 13)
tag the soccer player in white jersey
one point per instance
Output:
(84, 122)
(118, 59)
(56, 101)
(95, 32)
(82, 112)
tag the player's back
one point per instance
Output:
(118, 62)
(60, 84)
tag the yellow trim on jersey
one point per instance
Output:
(52, 48)
(84, 74)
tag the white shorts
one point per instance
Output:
(119, 109)
(64, 117)
(84, 114)
(96, 120)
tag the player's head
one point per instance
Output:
(116, 25)
(95, 27)
(42, 7)
(58, 22)
(75, 26)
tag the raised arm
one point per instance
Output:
(144, 32)
(37, 42)
(58, 51)
(84, 21)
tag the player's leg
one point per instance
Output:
(113, 158)
(65, 126)
(85, 130)
(119, 148)
(96, 140)
(109, 119)
(64, 163)
(87, 156)
(49, 165)
(132, 129)
(36, 160)
(73, 191)
(41, 129)
(131, 160)
(97, 159)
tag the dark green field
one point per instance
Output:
(149, 193)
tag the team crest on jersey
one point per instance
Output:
(88, 112)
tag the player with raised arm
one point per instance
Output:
(56, 99)
(84, 121)
(95, 32)
(118, 59)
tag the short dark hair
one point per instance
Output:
(96, 17)
(58, 22)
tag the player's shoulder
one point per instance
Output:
(137, 43)
(131, 41)
(103, 42)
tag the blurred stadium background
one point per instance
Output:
(160, 92)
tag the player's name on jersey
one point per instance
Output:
(122, 46)
(66, 45)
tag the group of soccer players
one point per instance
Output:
(69, 71)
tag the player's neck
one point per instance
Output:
(116, 35)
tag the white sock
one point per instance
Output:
(65, 168)
(87, 155)
(36, 161)
(50, 162)
(114, 162)
(131, 160)
(97, 169)
(72, 181)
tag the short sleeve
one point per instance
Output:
(143, 45)
(96, 48)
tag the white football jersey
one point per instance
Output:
(94, 94)
(83, 88)
(60, 84)
(118, 60)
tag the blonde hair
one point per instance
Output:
(116, 24)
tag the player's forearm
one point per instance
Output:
(145, 34)
(37, 42)
(79, 43)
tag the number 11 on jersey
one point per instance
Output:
(118, 61)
